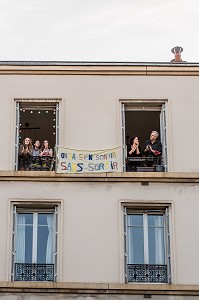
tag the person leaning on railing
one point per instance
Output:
(36, 159)
(47, 155)
(25, 154)
(153, 149)
(133, 150)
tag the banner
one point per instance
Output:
(82, 161)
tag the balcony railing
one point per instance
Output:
(144, 164)
(147, 273)
(37, 163)
(34, 272)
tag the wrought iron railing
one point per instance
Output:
(34, 272)
(147, 273)
(36, 163)
(140, 164)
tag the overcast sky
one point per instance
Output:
(98, 30)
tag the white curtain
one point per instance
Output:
(49, 248)
(159, 240)
(130, 246)
(20, 238)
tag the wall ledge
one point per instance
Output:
(98, 288)
(50, 176)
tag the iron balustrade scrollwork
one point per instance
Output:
(141, 163)
(147, 273)
(34, 272)
(35, 163)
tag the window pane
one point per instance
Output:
(155, 220)
(24, 236)
(45, 238)
(42, 219)
(135, 245)
(156, 246)
(135, 220)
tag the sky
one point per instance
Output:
(98, 30)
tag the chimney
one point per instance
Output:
(177, 52)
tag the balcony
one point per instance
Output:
(34, 272)
(144, 164)
(37, 163)
(147, 273)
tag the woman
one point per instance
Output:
(133, 151)
(25, 154)
(36, 149)
(46, 155)
(36, 159)
(46, 150)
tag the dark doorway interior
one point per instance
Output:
(38, 123)
(141, 123)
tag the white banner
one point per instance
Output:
(85, 161)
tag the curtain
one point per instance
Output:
(20, 238)
(49, 248)
(159, 240)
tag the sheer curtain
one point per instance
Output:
(49, 248)
(20, 238)
(159, 240)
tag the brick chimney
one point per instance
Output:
(177, 52)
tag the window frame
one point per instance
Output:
(34, 102)
(35, 209)
(145, 105)
(147, 210)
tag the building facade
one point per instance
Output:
(99, 235)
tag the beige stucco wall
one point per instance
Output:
(90, 247)
(90, 111)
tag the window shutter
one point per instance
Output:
(57, 124)
(168, 262)
(125, 244)
(13, 241)
(17, 135)
(163, 136)
(124, 150)
(55, 242)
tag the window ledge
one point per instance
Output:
(51, 176)
(98, 288)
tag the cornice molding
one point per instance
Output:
(101, 70)
(142, 177)
(98, 288)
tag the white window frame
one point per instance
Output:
(34, 210)
(145, 105)
(145, 212)
(35, 101)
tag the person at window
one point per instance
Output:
(153, 148)
(36, 159)
(46, 150)
(25, 154)
(133, 150)
(46, 155)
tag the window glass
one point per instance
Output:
(45, 238)
(135, 246)
(135, 220)
(135, 239)
(24, 237)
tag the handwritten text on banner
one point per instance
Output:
(78, 161)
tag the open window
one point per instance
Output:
(140, 118)
(37, 120)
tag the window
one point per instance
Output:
(37, 119)
(34, 244)
(147, 246)
(139, 118)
